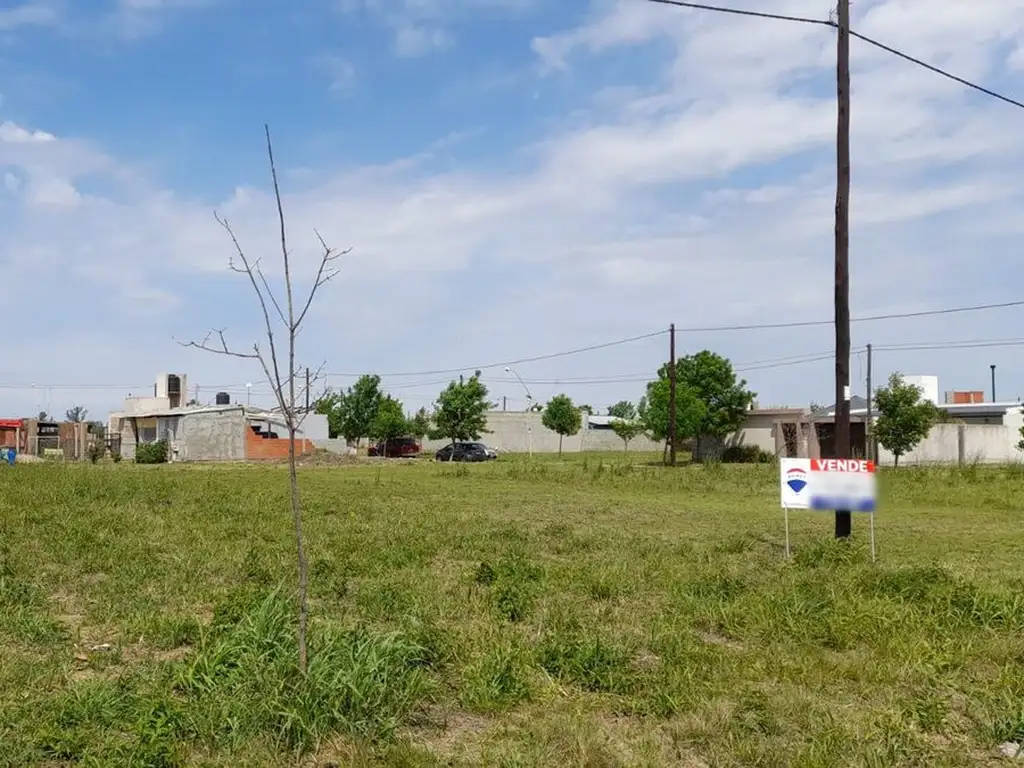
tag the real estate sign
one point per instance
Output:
(827, 484)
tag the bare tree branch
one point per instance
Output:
(248, 270)
(324, 274)
(270, 292)
(222, 349)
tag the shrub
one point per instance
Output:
(96, 451)
(746, 454)
(115, 456)
(151, 453)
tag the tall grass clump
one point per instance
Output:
(245, 678)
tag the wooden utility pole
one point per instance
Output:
(869, 426)
(672, 394)
(843, 521)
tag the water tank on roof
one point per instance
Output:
(223, 398)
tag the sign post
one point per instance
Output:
(827, 484)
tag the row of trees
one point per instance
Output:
(710, 403)
(364, 410)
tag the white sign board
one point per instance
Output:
(828, 484)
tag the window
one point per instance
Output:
(146, 429)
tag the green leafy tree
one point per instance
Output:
(627, 431)
(623, 410)
(389, 422)
(563, 417)
(725, 398)
(587, 409)
(654, 412)
(359, 407)
(460, 412)
(76, 413)
(419, 424)
(904, 418)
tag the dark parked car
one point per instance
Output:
(398, 448)
(463, 452)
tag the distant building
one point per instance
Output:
(223, 432)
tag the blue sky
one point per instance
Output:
(515, 178)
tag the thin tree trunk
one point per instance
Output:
(559, 446)
(293, 482)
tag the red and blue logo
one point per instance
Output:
(796, 479)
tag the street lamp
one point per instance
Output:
(529, 410)
(248, 393)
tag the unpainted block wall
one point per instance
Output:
(982, 443)
(513, 432)
(209, 436)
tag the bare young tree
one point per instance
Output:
(282, 380)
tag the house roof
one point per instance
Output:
(857, 403)
(777, 412)
(978, 409)
(149, 413)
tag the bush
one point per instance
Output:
(115, 456)
(151, 453)
(746, 454)
(96, 451)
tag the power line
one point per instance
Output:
(951, 345)
(697, 329)
(741, 12)
(519, 361)
(865, 319)
(618, 378)
(832, 24)
(932, 68)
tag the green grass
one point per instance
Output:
(579, 612)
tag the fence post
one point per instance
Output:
(961, 444)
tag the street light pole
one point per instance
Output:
(248, 394)
(529, 410)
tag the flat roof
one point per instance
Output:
(994, 407)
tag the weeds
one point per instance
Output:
(597, 611)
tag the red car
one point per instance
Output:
(398, 448)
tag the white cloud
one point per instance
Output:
(413, 41)
(15, 134)
(1016, 60)
(702, 195)
(422, 27)
(340, 72)
(28, 14)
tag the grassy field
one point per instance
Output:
(589, 612)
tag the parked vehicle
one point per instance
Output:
(464, 452)
(398, 448)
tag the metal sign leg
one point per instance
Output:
(785, 512)
(872, 529)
